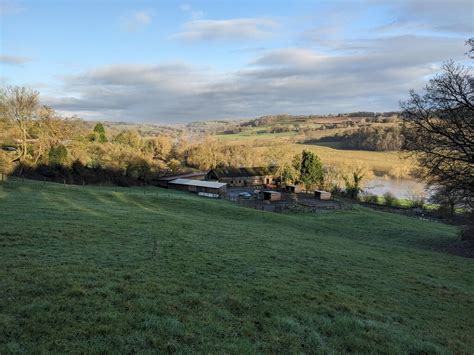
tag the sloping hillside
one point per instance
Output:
(131, 270)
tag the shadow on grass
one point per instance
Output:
(328, 144)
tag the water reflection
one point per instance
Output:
(400, 188)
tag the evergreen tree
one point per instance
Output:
(99, 133)
(311, 169)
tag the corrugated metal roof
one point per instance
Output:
(190, 182)
(182, 176)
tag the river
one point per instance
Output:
(400, 188)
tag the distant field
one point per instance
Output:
(393, 164)
(381, 163)
(133, 270)
(254, 134)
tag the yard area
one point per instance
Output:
(288, 200)
(140, 270)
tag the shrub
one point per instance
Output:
(367, 197)
(417, 198)
(418, 202)
(390, 199)
(353, 186)
(58, 155)
(336, 190)
(6, 164)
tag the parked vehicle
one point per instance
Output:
(245, 195)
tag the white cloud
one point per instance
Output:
(136, 21)
(14, 60)
(240, 28)
(343, 25)
(454, 16)
(293, 80)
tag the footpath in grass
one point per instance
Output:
(144, 269)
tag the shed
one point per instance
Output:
(294, 188)
(322, 195)
(271, 195)
(165, 180)
(202, 188)
(244, 176)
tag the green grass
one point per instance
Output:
(78, 274)
(393, 164)
(406, 203)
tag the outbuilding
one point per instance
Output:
(202, 188)
(295, 189)
(271, 195)
(322, 195)
(165, 180)
(256, 176)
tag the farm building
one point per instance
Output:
(203, 188)
(244, 176)
(322, 195)
(296, 189)
(271, 195)
(165, 180)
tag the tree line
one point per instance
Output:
(373, 138)
(36, 141)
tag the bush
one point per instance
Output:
(6, 164)
(416, 198)
(353, 186)
(336, 190)
(390, 199)
(367, 197)
(418, 202)
(58, 155)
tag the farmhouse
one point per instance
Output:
(165, 180)
(203, 188)
(244, 176)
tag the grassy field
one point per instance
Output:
(392, 164)
(133, 270)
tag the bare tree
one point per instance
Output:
(439, 129)
(19, 105)
(470, 43)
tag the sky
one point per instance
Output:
(181, 61)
